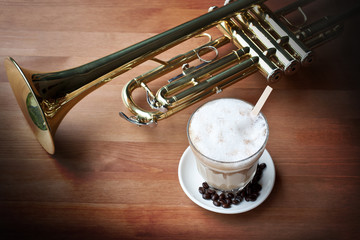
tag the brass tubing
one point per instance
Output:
(195, 77)
(179, 60)
(211, 83)
(240, 39)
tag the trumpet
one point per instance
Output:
(261, 40)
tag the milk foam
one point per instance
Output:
(223, 130)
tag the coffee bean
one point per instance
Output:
(211, 191)
(262, 166)
(201, 190)
(215, 197)
(248, 189)
(252, 199)
(239, 198)
(222, 196)
(226, 205)
(206, 196)
(258, 175)
(235, 201)
(217, 203)
(205, 185)
(256, 187)
(243, 194)
(257, 178)
(229, 195)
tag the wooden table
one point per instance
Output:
(113, 180)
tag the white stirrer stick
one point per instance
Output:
(260, 103)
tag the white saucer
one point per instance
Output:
(190, 181)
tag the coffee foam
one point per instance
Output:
(224, 130)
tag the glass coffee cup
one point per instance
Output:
(227, 142)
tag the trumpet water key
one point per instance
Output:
(261, 40)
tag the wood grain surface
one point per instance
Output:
(111, 180)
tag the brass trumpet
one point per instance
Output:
(263, 41)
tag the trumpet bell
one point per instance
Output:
(24, 92)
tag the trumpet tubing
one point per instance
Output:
(261, 39)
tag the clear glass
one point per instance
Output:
(227, 175)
